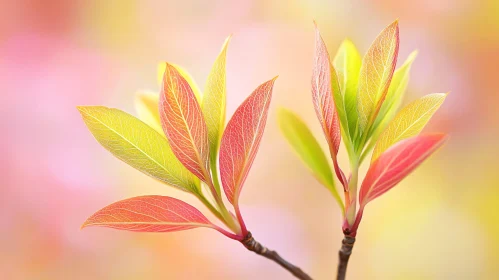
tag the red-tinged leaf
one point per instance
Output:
(149, 214)
(322, 95)
(396, 163)
(241, 140)
(376, 74)
(183, 123)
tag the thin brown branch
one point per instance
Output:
(251, 244)
(344, 254)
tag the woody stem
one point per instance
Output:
(344, 256)
(251, 244)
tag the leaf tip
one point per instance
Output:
(282, 112)
(140, 96)
(226, 43)
(347, 41)
(316, 28)
(412, 56)
(170, 69)
(168, 65)
(85, 224)
(440, 136)
(84, 110)
(395, 25)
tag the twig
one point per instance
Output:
(251, 244)
(344, 254)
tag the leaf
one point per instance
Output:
(409, 122)
(323, 89)
(190, 80)
(184, 125)
(241, 140)
(347, 63)
(214, 100)
(308, 149)
(137, 144)
(151, 213)
(396, 163)
(147, 107)
(395, 95)
(375, 75)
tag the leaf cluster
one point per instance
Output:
(182, 140)
(357, 100)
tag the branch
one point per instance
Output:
(345, 252)
(251, 244)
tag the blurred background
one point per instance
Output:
(442, 222)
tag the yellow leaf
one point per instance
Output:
(347, 63)
(375, 75)
(190, 80)
(147, 107)
(408, 122)
(137, 144)
(214, 101)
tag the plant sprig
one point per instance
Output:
(357, 100)
(182, 141)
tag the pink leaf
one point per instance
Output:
(322, 94)
(241, 140)
(149, 214)
(396, 163)
(183, 123)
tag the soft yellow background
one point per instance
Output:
(440, 223)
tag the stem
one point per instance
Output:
(209, 206)
(214, 173)
(352, 192)
(229, 234)
(344, 254)
(229, 219)
(251, 244)
(240, 219)
(222, 214)
(226, 216)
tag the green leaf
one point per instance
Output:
(214, 103)
(139, 145)
(306, 146)
(340, 104)
(147, 107)
(395, 94)
(347, 63)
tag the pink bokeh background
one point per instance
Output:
(440, 223)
